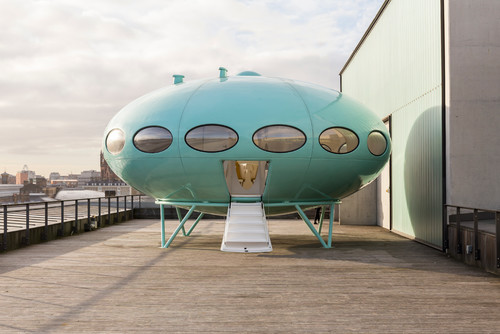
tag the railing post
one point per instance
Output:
(459, 238)
(46, 225)
(117, 219)
(125, 206)
(4, 243)
(497, 236)
(60, 232)
(446, 239)
(99, 221)
(132, 207)
(75, 226)
(477, 251)
(88, 212)
(108, 221)
(27, 234)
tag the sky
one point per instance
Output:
(68, 66)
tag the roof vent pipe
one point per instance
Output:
(223, 73)
(178, 78)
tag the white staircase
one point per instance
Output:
(246, 229)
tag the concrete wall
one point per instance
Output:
(473, 94)
(360, 208)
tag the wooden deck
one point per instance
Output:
(117, 280)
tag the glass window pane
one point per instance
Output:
(115, 141)
(153, 139)
(211, 138)
(279, 138)
(377, 144)
(338, 140)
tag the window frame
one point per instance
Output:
(152, 126)
(124, 141)
(212, 124)
(338, 127)
(386, 143)
(276, 125)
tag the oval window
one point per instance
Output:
(152, 139)
(377, 144)
(115, 141)
(279, 138)
(211, 138)
(338, 140)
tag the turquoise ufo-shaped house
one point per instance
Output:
(246, 143)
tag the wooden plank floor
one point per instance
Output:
(118, 280)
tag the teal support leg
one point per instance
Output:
(311, 227)
(181, 225)
(162, 216)
(179, 216)
(330, 229)
(321, 219)
(195, 223)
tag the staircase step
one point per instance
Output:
(246, 236)
(246, 219)
(246, 229)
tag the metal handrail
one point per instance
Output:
(62, 204)
(475, 215)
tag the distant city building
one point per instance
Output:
(54, 176)
(65, 182)
(25, 175)
(119, 188)
(106, 173)
(30, 187)
(40, 181)
(5, 178)
(88, 176)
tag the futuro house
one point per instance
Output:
(246, 146)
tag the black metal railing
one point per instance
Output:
(25, 216)
(463, 214)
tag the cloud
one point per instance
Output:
(66, 67)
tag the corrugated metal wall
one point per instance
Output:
(397, 71)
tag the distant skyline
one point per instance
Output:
(68, 66)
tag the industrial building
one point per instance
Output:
(431, 70)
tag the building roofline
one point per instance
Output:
(367, 32)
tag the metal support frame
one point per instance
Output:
(181, 225)
(311, 226)
(297, 205)
(179, 216)
(321, 217)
